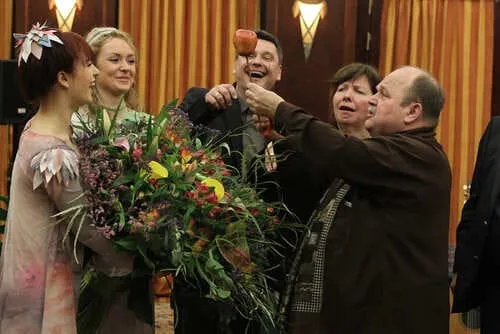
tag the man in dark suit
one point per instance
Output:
(375, 258)
(476, 280)
(224, 108)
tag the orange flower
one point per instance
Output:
(186, 155)
(190, 230)
(198, 246)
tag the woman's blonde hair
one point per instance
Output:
(96, 39)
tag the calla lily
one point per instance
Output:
(106, 122)
(157, 170)
(218, 187)
(123, 143)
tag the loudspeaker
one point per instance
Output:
(13, 107)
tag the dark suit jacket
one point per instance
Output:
(473, 255)
(386, 262)
(228, 121)
(294, 183)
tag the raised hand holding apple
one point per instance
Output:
(261, 101)
(244, 42)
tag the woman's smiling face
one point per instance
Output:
(116, 62)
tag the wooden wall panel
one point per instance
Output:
(305, 83)
(368, 31)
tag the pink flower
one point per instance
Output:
(137, 153)
(123, 143)
(31, 275)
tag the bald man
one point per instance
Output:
(375, 258)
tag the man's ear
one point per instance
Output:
(278, 77)
(63, 79)
(414, 112)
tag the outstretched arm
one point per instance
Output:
(57, 171)
(202, 105)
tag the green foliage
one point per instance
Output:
(3, 212)
(159, 192)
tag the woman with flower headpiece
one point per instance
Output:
(107, 304)
(36, 281)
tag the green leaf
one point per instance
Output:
(226, 146)
(162, 116)
(128, 243)
(126, 178)
(216, 291)
(100, 140)
(137, 187)
(170, 105)
(222, 282)
(112, 127)
(198, 143)
(4, 199)
(222, 293)
(142, 250)
(118, 206)
(188, 213)
(149, 134)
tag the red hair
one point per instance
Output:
(37, 76)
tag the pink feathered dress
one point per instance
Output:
(37, 294)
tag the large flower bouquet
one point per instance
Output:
(156, 190)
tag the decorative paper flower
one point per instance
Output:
(33, 42)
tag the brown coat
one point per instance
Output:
(386, 254)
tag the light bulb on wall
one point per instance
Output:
(65, 12)
(310, 12)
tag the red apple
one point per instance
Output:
(245, 42)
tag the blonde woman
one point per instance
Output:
(114, 305)
(115, 55)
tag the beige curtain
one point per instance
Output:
(183, 43)
(6, 135)
(453, 40)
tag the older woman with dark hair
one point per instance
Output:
(302, 186)
(350, 89)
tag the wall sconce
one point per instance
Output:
(65, 12)
(310, 12)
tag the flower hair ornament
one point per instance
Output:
(33, 42)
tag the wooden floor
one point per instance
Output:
(164, 316)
